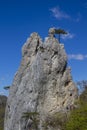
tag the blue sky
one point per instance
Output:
(19, 18)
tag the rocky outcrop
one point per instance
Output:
(43, 84)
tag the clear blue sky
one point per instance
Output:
(19, 18)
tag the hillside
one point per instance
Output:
(3, 100)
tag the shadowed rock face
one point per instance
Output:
(42, 84)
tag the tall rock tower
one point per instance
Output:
(42, 84)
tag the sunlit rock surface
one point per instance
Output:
(42, 84)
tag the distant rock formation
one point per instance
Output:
(3, 100)
(42, 84)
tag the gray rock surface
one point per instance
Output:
(42, 84)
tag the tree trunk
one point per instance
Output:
(59, 38)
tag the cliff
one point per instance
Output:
(42, 85)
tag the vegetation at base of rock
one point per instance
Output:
(34, 119)
(2, 110)
(29, 114)
(57, 120)
(78, 117)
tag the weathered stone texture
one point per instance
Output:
(42, 84)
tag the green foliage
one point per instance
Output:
(2, 112)
(29, 114)
(59, 32)
(3, 100)
(34, 117)
(78, 117)
(7, 87)
(57, 120)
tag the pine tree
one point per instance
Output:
(59, 32)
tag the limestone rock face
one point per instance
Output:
(42, 84)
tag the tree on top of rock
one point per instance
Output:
(59, 32)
